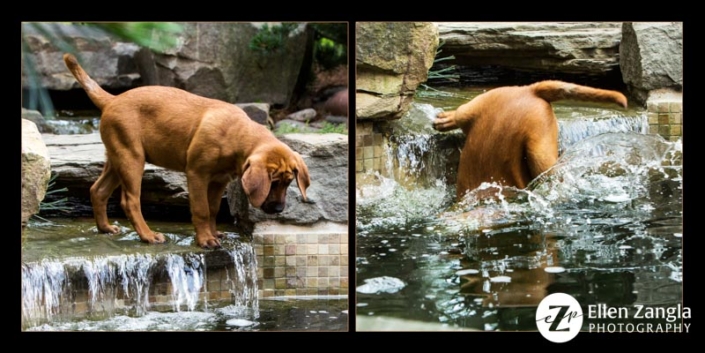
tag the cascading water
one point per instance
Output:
(118, 286)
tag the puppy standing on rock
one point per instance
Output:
(512, 133)
(210, 140)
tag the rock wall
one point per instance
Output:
(589, 48)
(392, 59)
(213, 59)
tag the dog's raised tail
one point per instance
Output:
(558, 90)
(98, 95)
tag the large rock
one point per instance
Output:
(109, 62)
(651, 57)
(213, 59)
(589, 48)
(78, 160)
(36, 170)
(38, 119)
(326, 156)
(392, 59)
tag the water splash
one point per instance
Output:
(384, 203)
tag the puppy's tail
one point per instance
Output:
(558, 90)
(98, 95)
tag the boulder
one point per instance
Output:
(258, 112)
(38, 119)
(326, 156)
(392, 60)
(215, 60)
(78, 160)
(36, 170)
(651, 57)
(108, 61)
(590, 48)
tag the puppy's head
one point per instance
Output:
(267, 176)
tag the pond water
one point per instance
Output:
(283, 314)
(603, 225)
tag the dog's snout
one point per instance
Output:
(275, 207)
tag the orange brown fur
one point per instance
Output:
(210, 140)
(512, 133)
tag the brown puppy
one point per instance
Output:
(210, 140)
(512, 133)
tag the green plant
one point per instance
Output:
(444, 73)
(283, 129)
(331, 44)
(157, 36)
(328, 128)
(438, 74)
(269, 40)
(56, 205)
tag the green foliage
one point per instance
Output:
(158, 36)
(331, 45)
(284, 129)
(330, 128)
(56, 205)
(269, 40)
(326, 128)
(445, 73)
(330, 54)
(336, 32)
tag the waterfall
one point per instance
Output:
(56, 290)
(574, 130)
(244, 286)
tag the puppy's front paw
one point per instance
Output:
(154, 238)
(109, 229)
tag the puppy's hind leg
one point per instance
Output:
(445, 121)
(130, 171)
(100, 193)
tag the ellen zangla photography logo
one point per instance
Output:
(559, 317)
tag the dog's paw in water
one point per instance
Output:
(207, 242)
(109, 229)
(154, 238)
(445, 121)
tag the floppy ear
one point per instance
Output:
(256, 182)
(302, 178)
